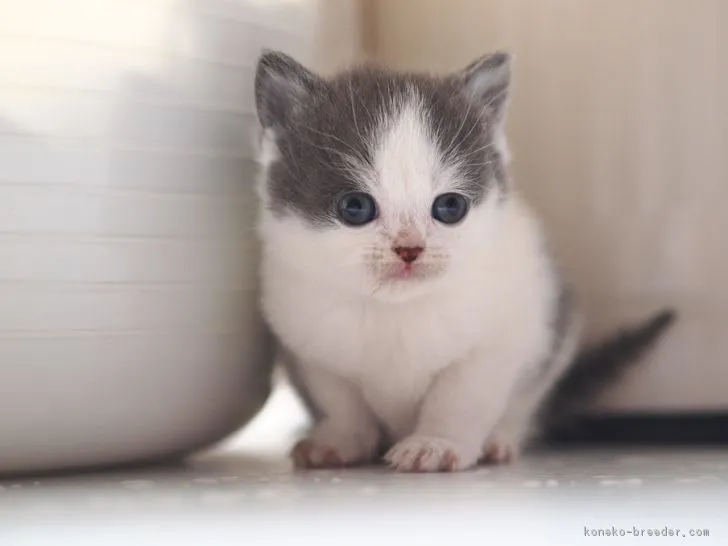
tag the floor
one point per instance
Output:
(245, 490)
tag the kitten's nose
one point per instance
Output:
(408, 254)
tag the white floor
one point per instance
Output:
(246, 491)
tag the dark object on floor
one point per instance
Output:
(647, 430)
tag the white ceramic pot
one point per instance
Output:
(128, 322)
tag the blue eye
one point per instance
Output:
(449, 208)
(357, 209)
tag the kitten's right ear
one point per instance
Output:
(487, 81)
(281, 86)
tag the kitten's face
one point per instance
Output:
(375, 182)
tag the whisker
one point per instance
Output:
(457, 134)
(478, 150)
(476, 123)
(353, 111)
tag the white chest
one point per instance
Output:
(391, 352)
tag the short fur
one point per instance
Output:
(443, 363)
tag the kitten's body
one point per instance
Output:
(448, 358)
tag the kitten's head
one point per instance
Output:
(379, 182)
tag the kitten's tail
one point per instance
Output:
(601, 365)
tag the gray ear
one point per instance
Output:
(487, 81)
(282, 85)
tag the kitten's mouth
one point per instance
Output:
(406, 272)
(397, 280)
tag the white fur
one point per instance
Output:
(442, 361)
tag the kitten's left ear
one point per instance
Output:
(282, 87)
(487, 82)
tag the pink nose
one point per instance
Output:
(408, 254)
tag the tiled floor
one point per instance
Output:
(245, 491)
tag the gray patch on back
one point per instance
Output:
(326, 129)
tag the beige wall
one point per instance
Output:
(339, 32)
(619, 132)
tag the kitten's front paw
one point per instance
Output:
(427, 454)
(308, 453)
(328, 448)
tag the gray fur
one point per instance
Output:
(319, 122)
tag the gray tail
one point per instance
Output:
(601, 365)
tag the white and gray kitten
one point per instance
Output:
(410, 288)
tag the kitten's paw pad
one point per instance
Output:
(499, 452)
(423, 454)
(309, 454)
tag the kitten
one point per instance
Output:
(417, 306)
